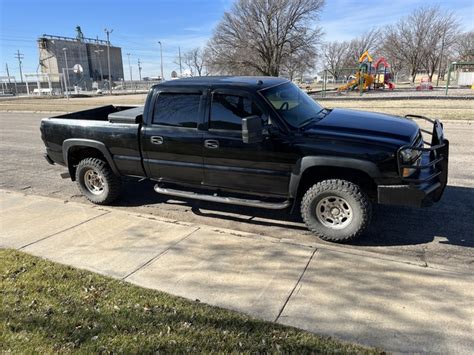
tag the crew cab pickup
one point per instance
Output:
(254, 141)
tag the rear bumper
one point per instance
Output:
(427, 185)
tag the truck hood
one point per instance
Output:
(365, 126)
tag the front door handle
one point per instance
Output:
(156, 139)
(211, 143)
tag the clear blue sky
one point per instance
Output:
(138, 25)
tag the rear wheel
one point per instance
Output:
(97, 181)
(336, 210)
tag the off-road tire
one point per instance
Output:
(111, 182)
(358, 201)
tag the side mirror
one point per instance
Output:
(252, 129)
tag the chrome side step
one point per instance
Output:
(226, 200)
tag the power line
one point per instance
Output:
(20, 56)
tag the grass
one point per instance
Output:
(442, 109)
(47, 307)
(47, 104)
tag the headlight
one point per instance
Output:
(407, 155)
(410, 157)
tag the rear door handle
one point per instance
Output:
(156, 139)
(211, 143)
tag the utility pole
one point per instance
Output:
(441, 58)
(139, 69)
(180, 67)
(8, 73)
(108, 32)
(67, 69)
(19, 56)
(130, 68)
(161, 55)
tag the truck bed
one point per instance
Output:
(112, 113)
(117, 127)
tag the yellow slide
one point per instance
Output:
(368, 80)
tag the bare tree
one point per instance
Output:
(397, 63)
(264, 36)
(418, 39)
(195, 61)
(464, 47)
(298, 63)
(339, 56)
(441, 39)
(368, 41)
(335, 55)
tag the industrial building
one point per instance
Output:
(89, 53)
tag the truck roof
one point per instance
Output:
(254, 82)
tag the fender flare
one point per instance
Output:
(79, 142)
(304, 163)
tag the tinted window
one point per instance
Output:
(228, 110)
(178, 110)
(294, 105)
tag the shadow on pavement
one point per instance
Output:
(449, 220)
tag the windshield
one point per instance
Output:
(293, 105)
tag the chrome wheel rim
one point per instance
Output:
(94, 182)
(334, 212)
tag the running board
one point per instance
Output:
(226, 200)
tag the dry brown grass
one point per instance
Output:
(443, 109)
(46, 104)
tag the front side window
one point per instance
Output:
(293, 105)
(227, 111)
(177, 109)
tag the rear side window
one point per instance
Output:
(227, 111)
(177, 110)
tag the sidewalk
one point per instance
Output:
(332, 291)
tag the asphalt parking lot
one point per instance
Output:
(441, 236)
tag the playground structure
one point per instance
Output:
(376, 76)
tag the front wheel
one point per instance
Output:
(97, 181)
(336, 210)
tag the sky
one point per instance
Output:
(138, 25)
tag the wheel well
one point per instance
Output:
(316, 174)
(78, 153)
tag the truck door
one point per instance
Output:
(171, 142)
(229, 163)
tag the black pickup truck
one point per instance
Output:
(254, 141)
